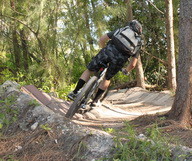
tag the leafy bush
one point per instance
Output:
(8, 113)
(129, 147)
(64, 92)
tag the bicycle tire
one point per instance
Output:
(78, 101)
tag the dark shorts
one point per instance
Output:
(108, 55)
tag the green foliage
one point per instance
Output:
(110, 130)
(120, 78)
(34, 103)
(65, 91)
(157, 76)
(6, 75)
(57, 39)
(77, 70)
(9, 158)
(8, 113)
(45, 127)
(129, 147)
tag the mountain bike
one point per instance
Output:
(87, 93)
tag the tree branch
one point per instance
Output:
(162, 61)
(21, 22)
(155, 7)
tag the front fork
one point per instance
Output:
(92, 92)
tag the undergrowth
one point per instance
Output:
(8, 113)
(149, 147)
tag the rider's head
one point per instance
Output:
(135, 26)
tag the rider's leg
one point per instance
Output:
(86, 75)
(102, 87)
(82, 80)
(104, 84)
(92, 66)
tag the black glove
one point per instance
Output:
(124, 71)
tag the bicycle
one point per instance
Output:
(88, 92)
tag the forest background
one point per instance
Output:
(49, 43)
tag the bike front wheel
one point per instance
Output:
(82, 97)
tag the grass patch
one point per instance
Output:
(149, 147)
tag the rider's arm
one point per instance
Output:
(132, 64)
(103, 40)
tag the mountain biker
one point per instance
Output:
(113, 54)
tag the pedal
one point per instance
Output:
(84, 109)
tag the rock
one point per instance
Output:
(181, 153)
(18, 148)
(99, 146)
(9, 88)
(34, 126)
(91, 144)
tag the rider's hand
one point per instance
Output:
(124, 71)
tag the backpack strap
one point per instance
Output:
(128, 39)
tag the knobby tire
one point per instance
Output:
(81, 97)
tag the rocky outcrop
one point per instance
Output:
(75, 140)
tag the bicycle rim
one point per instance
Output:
(82, 97)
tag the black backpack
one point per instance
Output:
(126, 40)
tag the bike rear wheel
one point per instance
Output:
(82, 97)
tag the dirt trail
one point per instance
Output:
(126, 104)
(118, 106)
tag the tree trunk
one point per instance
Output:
(182, 106)
(139, 66)
(140, 74)
(88, 28)
(16, 49)
(55, 26)
(25, 50)
(129, 10)
(170, 46)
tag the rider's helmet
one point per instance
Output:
(135, 26)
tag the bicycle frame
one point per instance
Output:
(100, 76)
(88, 92)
